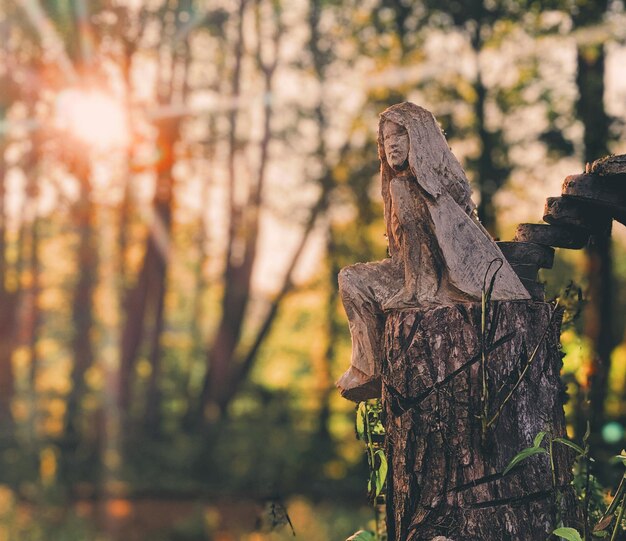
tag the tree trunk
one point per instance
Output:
(490, 176)
(599, 309)
(144, 302)
(218, 378)
(446, 472)
(82, 302)
(8, 300)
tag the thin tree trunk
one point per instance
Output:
(218, 376)
(599, 309)
(31, 320)
(323, 439)
(198, 347)
(125, 210)
(153, 399)
(82, 304)
(486, 172)
(164, 203)
(124, 235)
(145, 300)
(8, 300)
(219, 382)
(247, 360)
(132, 334)
(332, 331)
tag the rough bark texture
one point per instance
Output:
(445, 476)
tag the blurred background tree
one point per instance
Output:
(180, 183)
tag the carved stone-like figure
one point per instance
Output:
(439, 251)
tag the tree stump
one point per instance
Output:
(446, 473)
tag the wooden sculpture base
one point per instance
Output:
(445, 471)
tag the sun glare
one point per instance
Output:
(93, 117)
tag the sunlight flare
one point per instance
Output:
(93, 117)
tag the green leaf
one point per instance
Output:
(381, 471)
(523, 455)
(539, 438)
(361, 415)
(362, 535)
(568, 533)
(571, 445)
(600, 534)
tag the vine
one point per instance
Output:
(370, 430)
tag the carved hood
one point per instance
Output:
(467, 248)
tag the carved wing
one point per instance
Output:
(460, 190)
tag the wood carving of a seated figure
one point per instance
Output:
(439, 251)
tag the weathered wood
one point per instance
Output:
(527, 252)
(552, 235)
(570, 212)
(526, 271)
(606, 192)
(432, 230)
(609, 165)
(536, 289)
(446, 478)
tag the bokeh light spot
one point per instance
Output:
(612, 432)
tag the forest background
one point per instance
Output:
(180, 183)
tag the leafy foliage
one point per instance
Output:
(371, 431)
(523, 455)
(616, 508)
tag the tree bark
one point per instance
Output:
(446, 472)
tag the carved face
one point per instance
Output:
(396, 143)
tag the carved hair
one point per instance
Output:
(431, 161)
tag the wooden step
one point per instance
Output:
(527, 253)
(558, 236)
(606, 192)
(570, 212)
(527, 271)
(536, 290)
